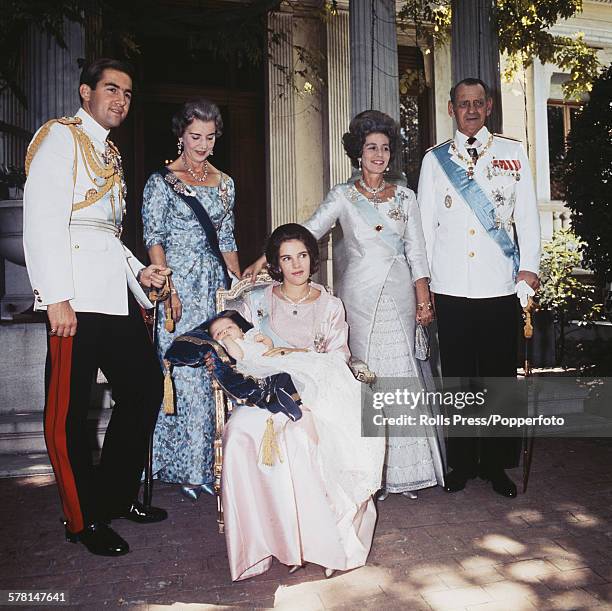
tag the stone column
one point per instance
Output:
(338, 114)
(374, 77)
(374, 71)
(541, 92)
(338, 101)
(282, 188)
(50, 82)
(475, 50)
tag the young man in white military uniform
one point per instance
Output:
(476, 194)
(80, 272)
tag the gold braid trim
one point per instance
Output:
(42, 134)
(92, 196)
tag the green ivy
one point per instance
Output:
(561, 291)
(523, 31)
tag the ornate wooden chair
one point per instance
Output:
(230, 299)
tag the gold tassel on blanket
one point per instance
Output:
(168, 389)
(269, 448)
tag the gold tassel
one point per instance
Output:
(168, 389)
(269, 448)
(169, 323)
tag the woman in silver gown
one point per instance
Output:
(383, 280)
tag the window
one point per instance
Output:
(415, 125)
(560, 117)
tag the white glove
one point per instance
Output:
(524, 292)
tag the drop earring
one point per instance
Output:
(212, 152)
(179, 147)
(359, 161)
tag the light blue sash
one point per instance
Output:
(261, 316)
(374, 219)
(478, 201)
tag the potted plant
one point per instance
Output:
(15, 181)
(4, 173)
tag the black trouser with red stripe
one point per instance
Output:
(478, 339)
(121, 348)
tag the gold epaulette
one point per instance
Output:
(506, 137)
(43, 132)
(70, 120)
(431, 148)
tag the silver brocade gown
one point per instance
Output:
(376, 287)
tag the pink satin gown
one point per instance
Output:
(290, 511)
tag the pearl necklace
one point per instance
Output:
(374, 191)
(468, 160)
(191, 173)
(295, 303)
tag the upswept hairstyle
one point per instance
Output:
(92, 72)
(469, 82)
(284, 233)
(366, 123)
(200, 108)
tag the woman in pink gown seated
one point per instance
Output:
(298, 509)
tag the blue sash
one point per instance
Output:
(203, 218)
(478, 202)
(261, 316)
(373, 218)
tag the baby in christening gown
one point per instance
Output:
(329, 390)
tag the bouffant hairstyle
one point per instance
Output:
(284, 233)
(202, 109)
(366, 123)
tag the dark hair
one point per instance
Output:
(243, 324)
(202, 109)
(284, 233)
(469, 82)
(92, 72)
(366, 123)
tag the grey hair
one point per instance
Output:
(469, 82)
(202, 109)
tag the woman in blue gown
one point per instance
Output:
(177, 234)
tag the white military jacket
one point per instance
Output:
(71, 250)
(463, 259)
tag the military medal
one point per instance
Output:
(468, 160)
(448, 201)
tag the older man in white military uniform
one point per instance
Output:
(482, 231)
(80, 273)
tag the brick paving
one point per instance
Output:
(548, 549)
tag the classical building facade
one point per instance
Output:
(282, 142)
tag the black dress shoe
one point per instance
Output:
(502, 484)
(100, 539)
(456, 480)
(142, 515)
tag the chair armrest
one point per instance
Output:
(361, 371)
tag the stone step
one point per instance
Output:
(553, 396)
(24, 465)
(22, 433)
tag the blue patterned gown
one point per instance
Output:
(183, 442)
